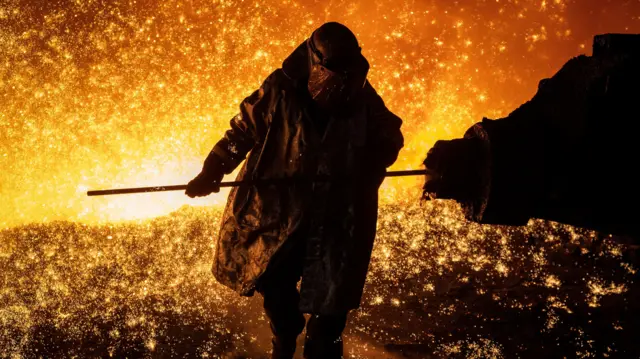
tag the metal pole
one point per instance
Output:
(235, 184)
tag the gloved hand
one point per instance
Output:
(453, 169)
(208, 180)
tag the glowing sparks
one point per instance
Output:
(552, 282)
(599, 289)
(130, 95)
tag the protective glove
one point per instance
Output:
(453, 169)
(208, 180)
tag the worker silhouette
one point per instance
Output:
(316, 116)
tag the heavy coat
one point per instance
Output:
(277, 128)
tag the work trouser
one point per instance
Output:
(323, 339)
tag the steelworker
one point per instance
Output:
(317, 116)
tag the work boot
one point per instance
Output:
(322, 349)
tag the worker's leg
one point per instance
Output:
(324, 336)
(281, 298)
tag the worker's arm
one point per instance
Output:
(247, 128)
(384, 138)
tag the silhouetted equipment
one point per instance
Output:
(260, 182)
(568, 155)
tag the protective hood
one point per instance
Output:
(331, 90)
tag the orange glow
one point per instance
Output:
(136, 94)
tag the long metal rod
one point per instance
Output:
(235, 184)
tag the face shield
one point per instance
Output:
(335, 85)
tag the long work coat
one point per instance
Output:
(337, 219)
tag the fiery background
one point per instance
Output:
(103, 94)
